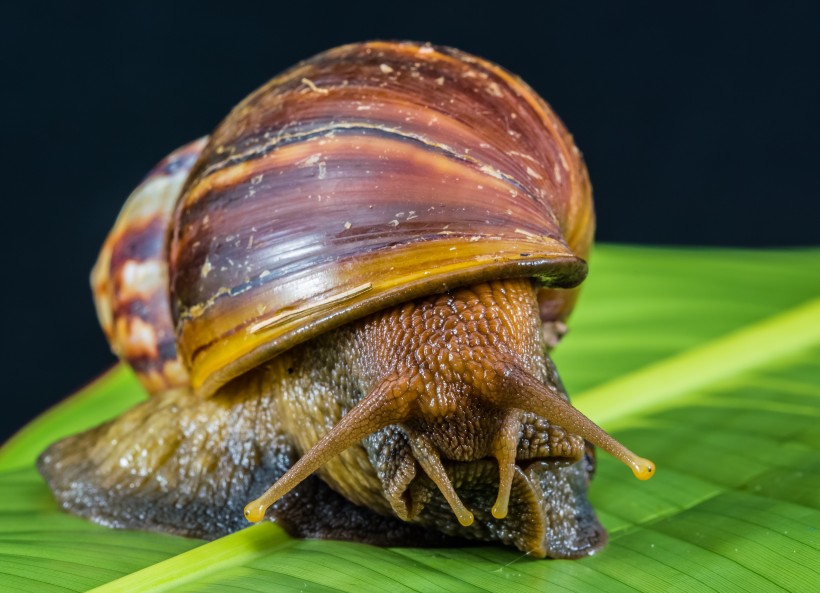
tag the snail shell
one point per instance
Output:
(130, 278)
(422, 170)
(355, 268)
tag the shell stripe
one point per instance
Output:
(370, 210)
(130, 278)
(351, 128)
(404, 168)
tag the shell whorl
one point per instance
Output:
(366, 176)
(130, 278)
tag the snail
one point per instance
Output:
(342, 303)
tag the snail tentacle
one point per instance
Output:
(389, 402)
(504, 449)
(515, 388)
(430, 461)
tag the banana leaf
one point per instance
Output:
(707, 361)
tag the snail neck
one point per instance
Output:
(446, 347)
(434, 335)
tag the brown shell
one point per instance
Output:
(366, 176)
(130, 278)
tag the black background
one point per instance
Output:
(699, 124)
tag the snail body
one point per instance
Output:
(359, 274)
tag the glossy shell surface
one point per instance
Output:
(366, 176)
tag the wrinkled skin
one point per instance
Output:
(185, 465)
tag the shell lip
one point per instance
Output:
(207, 376)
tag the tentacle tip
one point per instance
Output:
(466, 518)
(643, 468)
(255, 512)
(499, 512)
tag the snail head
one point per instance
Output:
(461, 378)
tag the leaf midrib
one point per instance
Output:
(659, 384)
(229, 551)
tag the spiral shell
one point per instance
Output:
(130, 279)
(366, 176)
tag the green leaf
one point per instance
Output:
(706, 361)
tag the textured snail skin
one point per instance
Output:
(384, 220)
(185, 465)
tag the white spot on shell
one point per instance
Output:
(494, 89)
(310, 161)
(139, 280)
(348, 225)
(533, 173)
(563, 161)
(140, 339)
(312, 86)
(524, 156)
(206, 269)
(322, 169)
(385, 68)
(526, 234)
(440, 80)
(491, 171)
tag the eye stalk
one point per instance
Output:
(388, 403)
(642, 468)
(515, 388)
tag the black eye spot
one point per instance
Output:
(290, 370)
